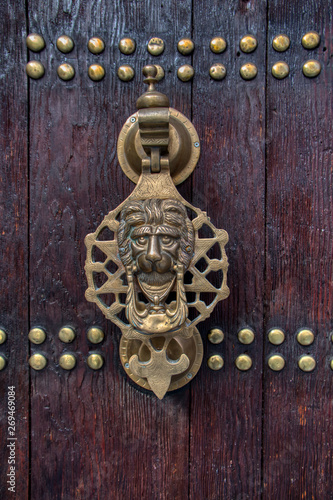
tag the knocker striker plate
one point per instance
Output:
(148, 267)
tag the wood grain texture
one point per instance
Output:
(298, 429)
(229, 183)
(94, 435)
(14, 243)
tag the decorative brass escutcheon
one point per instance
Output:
(147, 266)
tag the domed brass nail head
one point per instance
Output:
(243, 362)
(66, 72)
(307, 363)
(216, 336)
(35, 42)
(248, 44)
(3, 362)
(281, 43)
(127, 46)
(3, 336)
(66, 334)
(276, 336)
(126, 73)
(95, 335)
(185, 73)
(37, 335)
(311, 40)
(218, 45)
(155, 46)
(95, 361)
(246, 336)
(217, 71)
(215, 362)
(67, 361)
(96, 45)
(96, 72)
(65, 44)
(35, 69)
(185, 46)
(276, 362)
(248, 71)
(305, 337)
(37, 361)
(311, 68)
(280, 70)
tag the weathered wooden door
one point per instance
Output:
(264, 175)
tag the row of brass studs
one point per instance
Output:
(66, 334)
(276, 336)
(185, 46)
(67, 361)
(185, 73)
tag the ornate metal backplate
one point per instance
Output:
(149, 269)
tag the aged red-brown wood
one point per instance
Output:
(298, 416)
(229, 183)
(14, 246)
(94, 435)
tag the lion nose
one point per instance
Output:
(153, 251)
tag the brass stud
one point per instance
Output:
(246, 336)
(276, 362)
(126, 73)
(3, 362)
(67, 361)
(95, 335)
(217, 71)
(248, 44)
(155, 46)
(160, 72)
(215, 362)
(305, 337)
(331, 364)
(276, 336)
(35, 69)
(66, 71)
(35, 42)
(3, 336)
(96, 72)
(311, 40)
(95, 361)
(248, 71)
(127, 46)
(37, 361)
(307, 363)
(185, 46)
(218, 44)
(37, 335)
(65, 44)
(185, 72)
(216, 336)
(243, 362)
(280, 70)
(66, 334)
(96, 45)
(281, 43)
(311, 68)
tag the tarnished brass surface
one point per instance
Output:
(35, 69)
(276, 336)
(307, 363)
(153, 243)
(218, 44)
(65, 44)
(331, 364)
(246, 336)
(95, 361)
(67, 361)
(281, 43)
(37, 335)
(35, 42)
(3, 336)
(185, 46)
(243, 362)
(311, 40)
(215, 362)
(248, 71)
(155, 46)
(96, 45)
(66, 71)
(305, 337)
(311, 68)
(37, 361)
(95, 335)
(216, 336)
(66, 334)
(96, 72)
(184, 354)
(280, 70)
(125, 73)
(248, 44)
(127, 46)
(276, 362)
(160, 72)
(217, 71)
(3, 362)
(185, 72)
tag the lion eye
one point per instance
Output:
(166, 240)
(142, 240)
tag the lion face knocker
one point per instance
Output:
(156, 240)
(156, 243)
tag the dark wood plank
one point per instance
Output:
(229, 183)
(14, 244)
(298, 429)
(94, 435)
